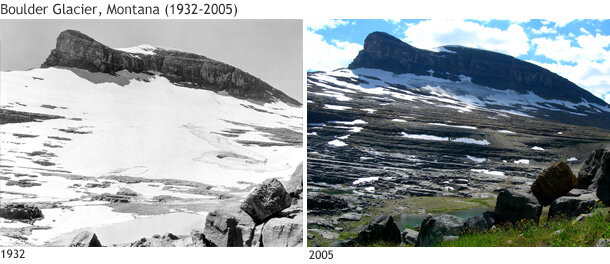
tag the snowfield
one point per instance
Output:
(141, 125)
(191, 146)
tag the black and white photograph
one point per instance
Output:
(151, 133)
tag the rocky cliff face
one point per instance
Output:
(75, 49)
(499, 71)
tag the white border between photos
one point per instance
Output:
(317, 9)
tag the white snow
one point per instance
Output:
(442, 49)
(470, 141)
(343, 137)
(336, 107)
(350, 123)
(537, 148)
(572, 159)
(365, 180)
(506, 132)
(522, 161)
(456, 126)
(483, 171)
(370, 189)
(66, 220)
(151, 129)
(475, 159)
(461, 95)
(369, 110)
(356, 129)
(337, 143)
(140, 49)
(399, 120)
(424, 137)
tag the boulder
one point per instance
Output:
(590, 171)
(221, 230)
(17, 211)
(85, 239)
(573, 206)
(381, 229)
(513, 206)
(257, 238)
(265, 200)
(409, 236)
(603, 183)
(436, 229)
(480, 222)
(554, 182)
(165, 240)
(295, 185)
(284, 231)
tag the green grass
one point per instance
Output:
(530, 234)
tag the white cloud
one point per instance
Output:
(544, 30)
(559, 22)
(317, 24)
(590, 48)
(393, 21)
(583, 30)
(590, 75)
(323, 56)
(433, 33)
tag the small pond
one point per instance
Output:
(411, 220)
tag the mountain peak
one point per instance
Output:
(75, 49)
(487, 68)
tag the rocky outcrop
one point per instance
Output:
(409, 236)
(436, 229)
(381, 229)
(553, 182)
(486, 68)
(480, 222)
(75, 49)
(265, 200)
(85, 239)
(590, 170)
(284, 231)
(165, 240)
(319, 203)
(513, 206)
(22, 212)
(573, 206)
(221, 230)
(595, 174)
(295, 185)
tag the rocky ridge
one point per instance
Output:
(75, 49)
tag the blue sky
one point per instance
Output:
(575, 49)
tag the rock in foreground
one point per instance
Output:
(554, 182)
(381, 229)
(513, 206)
(436, 229)
(480, 222)
(284, 231)
(573, 206)
(267, 199)
(85, 239)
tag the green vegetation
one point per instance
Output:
(557, 233)
(350, 229)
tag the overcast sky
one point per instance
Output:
(271, 50)
(578, 50)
